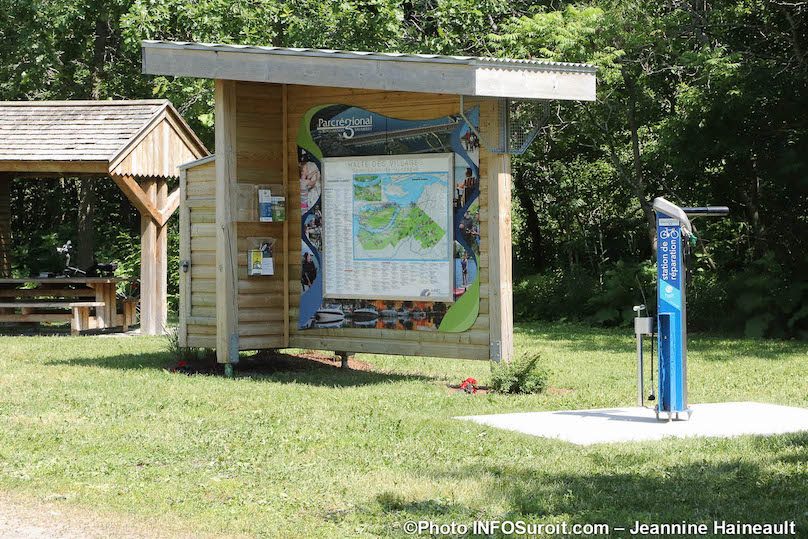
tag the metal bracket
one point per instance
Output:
(496, 351)
(514, 135)
(502, 147)
(233, 348)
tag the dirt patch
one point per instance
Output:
(482, 390)
(50, 518)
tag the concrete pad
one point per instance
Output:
(607, 425)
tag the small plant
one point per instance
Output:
(172, 337)
(522, 375)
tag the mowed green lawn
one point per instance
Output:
(315, 451)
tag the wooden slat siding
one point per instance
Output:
(158, 153)
(259, 161)
(472, 344)
(198, 196)
(5, 225)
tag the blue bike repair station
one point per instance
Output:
(675, 238)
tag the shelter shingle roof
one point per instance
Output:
(71, 130)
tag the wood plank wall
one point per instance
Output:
(472, 344)
(5, 225)
(259, 160)
(262, 322)
(198, 300)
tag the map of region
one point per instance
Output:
(401, 216)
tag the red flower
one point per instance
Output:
(469, 385)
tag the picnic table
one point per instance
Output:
(19, 302)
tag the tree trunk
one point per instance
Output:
(99, 53)
(85, 252)
(86, 231)
(751, 198)
(639, 182)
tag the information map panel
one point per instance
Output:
(389, 233)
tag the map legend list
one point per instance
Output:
(388, 228)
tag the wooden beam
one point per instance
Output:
(499, 257)
(285, 247)
(62, 168)
(469, 76)
(226, 200)
(139, 196)
(185, 258)
(148, 264)
(58, 175)
(160, 306)
(154, 263)
(170, 206)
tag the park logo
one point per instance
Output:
(346, 127)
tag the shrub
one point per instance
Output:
(760, 300)
(574, 294)
(522, 375)
(554, 295)
(623, 287)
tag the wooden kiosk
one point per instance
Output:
(374, 187)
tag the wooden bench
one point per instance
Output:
(79, 318)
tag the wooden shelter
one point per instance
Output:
(138, 144)
(377, 140)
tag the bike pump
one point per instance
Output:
(643, 325)
(673, 224)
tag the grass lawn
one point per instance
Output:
(315, 451)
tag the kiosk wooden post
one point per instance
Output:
(226, 210)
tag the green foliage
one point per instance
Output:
(522, 375)
(577, 295)
(762, 300)
(623, 286)
(767, 301)
(695, 105)
(697, 102)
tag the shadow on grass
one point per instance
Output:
(580, 338)
(701, 491)
(273, 366)
(626, 487)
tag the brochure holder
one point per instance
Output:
(260, 257)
